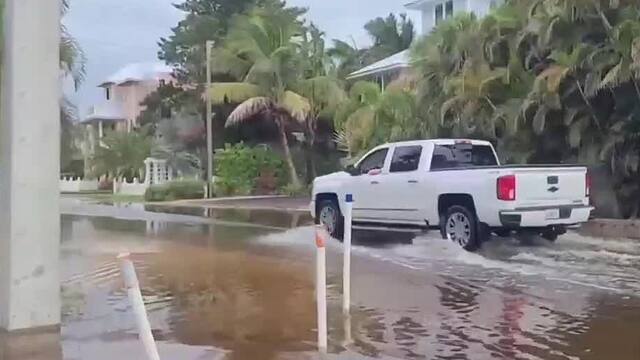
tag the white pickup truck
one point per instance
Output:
(457, 186)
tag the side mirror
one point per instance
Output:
(352, 170)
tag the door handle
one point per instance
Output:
(374, 182)
(412, 181)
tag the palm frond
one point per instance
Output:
(248, 109)
(296, 105)
(237, 92)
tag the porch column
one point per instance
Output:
(100, 130)
(30, 165)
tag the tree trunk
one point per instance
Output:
(295, 181)
(588, 103)
(310, 141)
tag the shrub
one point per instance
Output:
(176, 190)
(243, 170)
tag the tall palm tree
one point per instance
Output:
(390, 35)
(73, 64)
(320, 86)
(262, 50)
(348, 57)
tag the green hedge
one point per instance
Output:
(176, 190)
(244, 170)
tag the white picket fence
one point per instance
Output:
(133, 188)
(76, 185)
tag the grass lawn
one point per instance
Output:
(115, 198)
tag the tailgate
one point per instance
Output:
(550, 186)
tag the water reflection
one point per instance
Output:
(248, 289)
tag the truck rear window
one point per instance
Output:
(462, 156)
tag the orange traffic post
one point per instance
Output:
(321, 286)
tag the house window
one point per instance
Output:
(108, 93)
(439, 13)
(444, 11)
(448, 9)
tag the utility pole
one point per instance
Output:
(209, 45)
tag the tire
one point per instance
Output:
(325, 208)
(461, 226)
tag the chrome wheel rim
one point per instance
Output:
(459, 228)
(328, 218)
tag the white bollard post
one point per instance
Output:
(321, 287)
(346, 269)
(135, 297)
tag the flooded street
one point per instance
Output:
(222, 284)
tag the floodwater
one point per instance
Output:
(240, 285)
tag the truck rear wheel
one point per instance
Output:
(461, 226)
(329, 215)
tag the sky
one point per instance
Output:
(114, 33)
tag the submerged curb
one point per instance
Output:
(612, 228)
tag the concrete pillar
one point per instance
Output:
(100, 130)
(30, 166)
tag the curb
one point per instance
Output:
(612, 228)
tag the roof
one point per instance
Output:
(138, 72)
(396, 61)
(106, 112)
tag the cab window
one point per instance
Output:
(375, 160)
(406, 158)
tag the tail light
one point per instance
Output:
(587, 183)
(506, 189)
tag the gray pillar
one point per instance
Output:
(30, 165)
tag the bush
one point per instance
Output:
(243, 170)
(176, 190)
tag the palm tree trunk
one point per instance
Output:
(310, 143)
(588, 103)
(295, 181)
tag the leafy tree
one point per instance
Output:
(122, 154)
(205, 20)
(260, 49)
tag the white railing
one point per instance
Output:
(134, 188)
(76, 185)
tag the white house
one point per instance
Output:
(433, 11)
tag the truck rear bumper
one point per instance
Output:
(545, 216)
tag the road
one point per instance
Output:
(239, 285)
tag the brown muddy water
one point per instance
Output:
(239, 285)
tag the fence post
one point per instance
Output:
(135, 297)
(346, 263)
(321, 287)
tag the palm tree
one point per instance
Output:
(320, 87)
(390, 35)
(262, 50)
(370, 117)
(347, 56)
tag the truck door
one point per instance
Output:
(401, 189)
(366, 185)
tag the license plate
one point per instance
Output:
(552, 214)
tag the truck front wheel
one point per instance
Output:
(461, 226)
(329, 215)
